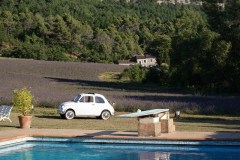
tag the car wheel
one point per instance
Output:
(69, 114)
(62, 115)
(105, 115)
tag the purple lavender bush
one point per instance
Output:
(54, 82)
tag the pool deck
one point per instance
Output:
(11, 134)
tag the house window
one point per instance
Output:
(144, 61)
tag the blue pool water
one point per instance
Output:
(103, 151)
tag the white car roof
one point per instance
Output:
(96, 94)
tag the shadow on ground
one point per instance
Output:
(111, 133)
(117, 85)
(49, 117)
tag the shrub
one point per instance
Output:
(158, 75)
(22, 99)
(134, 74)
(57, 53)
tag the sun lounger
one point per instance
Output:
(5, 112)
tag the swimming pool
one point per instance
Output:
(100, 149)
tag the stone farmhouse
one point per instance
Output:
(142, 60)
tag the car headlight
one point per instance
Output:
(61, 106)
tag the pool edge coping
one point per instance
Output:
(116, 140)
(15, 134)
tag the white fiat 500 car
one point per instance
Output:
(86, 105)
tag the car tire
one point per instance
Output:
(69, 114)
(105, 115)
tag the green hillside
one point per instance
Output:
(199, 44)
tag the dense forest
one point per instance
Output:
(199, 46)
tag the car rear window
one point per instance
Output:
(99, 100)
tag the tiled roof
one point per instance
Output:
(144, 56)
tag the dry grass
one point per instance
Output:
(110, 76)
(48, 118)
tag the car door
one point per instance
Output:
(100, 105)
(86, 106)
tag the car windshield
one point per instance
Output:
(76, 99)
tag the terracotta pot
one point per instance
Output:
(25, 121)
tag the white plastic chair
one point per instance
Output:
(5, 112)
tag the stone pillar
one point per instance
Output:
(149, 127)
(167, 126)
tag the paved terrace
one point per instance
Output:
(20, 133)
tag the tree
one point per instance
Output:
(27, 21)
(202, 55)
(41, 29)
(8, 22)
(3, 34)
(226, 22)
(161, 47)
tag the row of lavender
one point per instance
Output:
(55, 82)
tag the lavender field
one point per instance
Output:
(55, 82)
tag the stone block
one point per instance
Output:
(149, 120)
(149, 129)
(167, 126)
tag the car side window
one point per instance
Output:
(82, 99)
(99, 100)
(87, 99)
